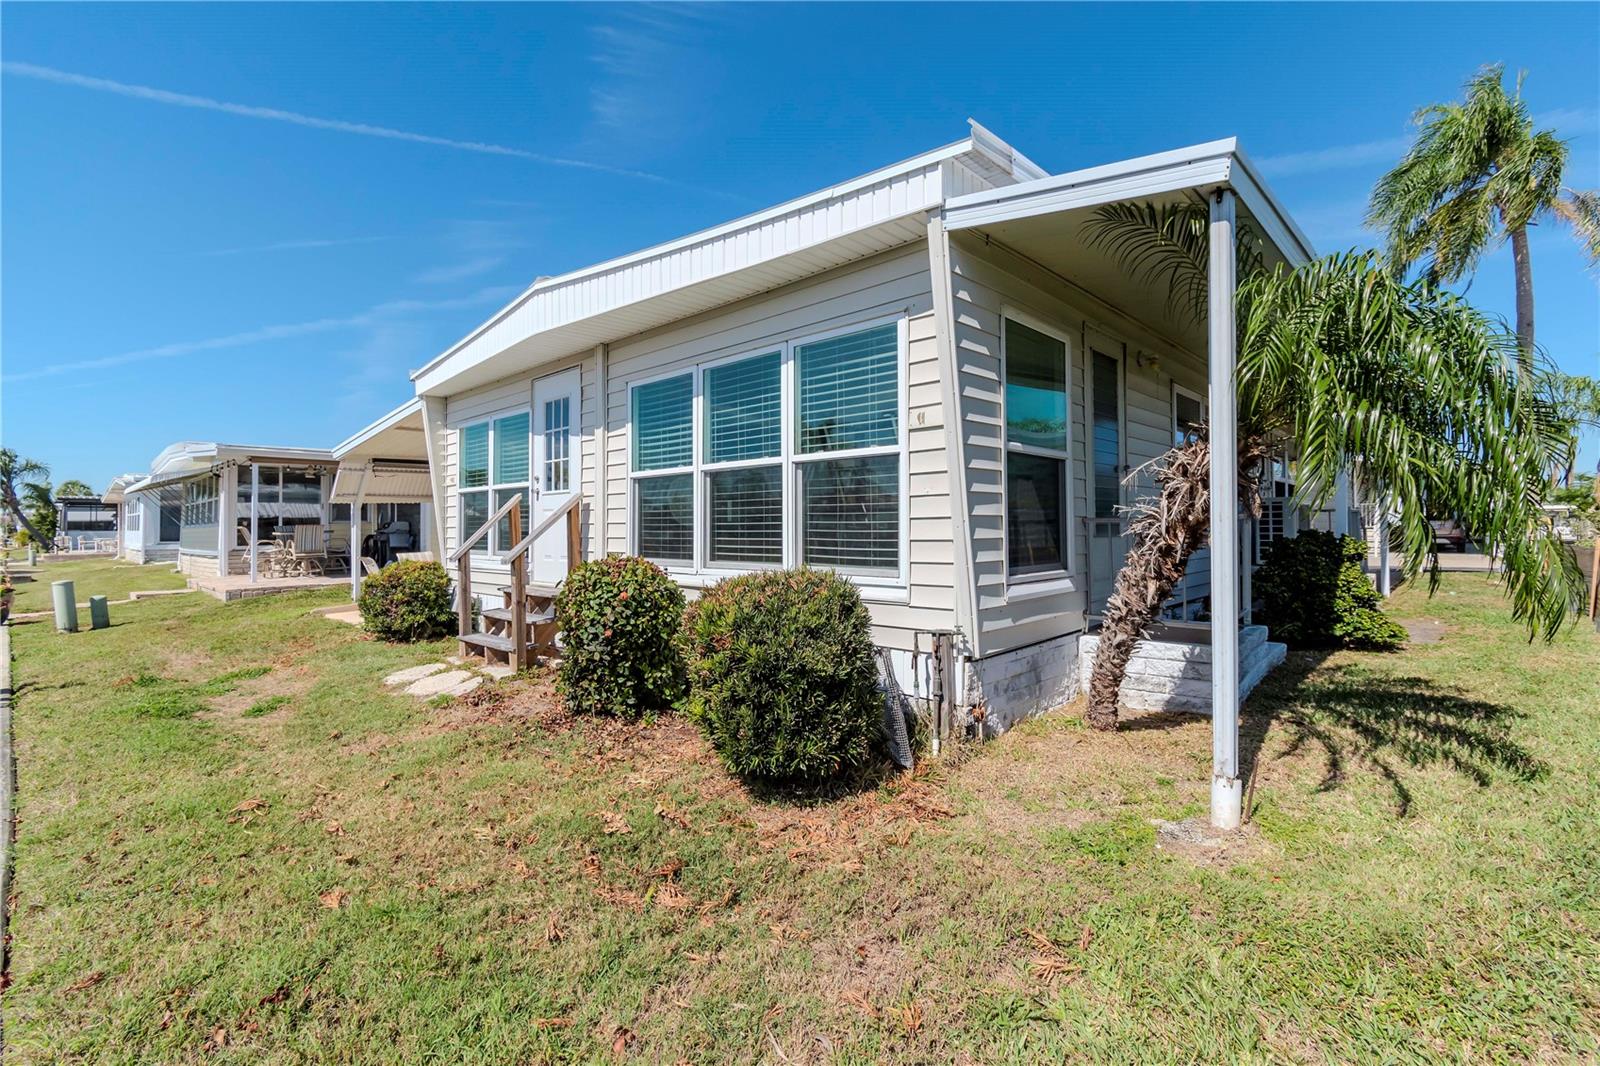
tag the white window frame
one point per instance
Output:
(1098, 341)
(676, 566)
(892, 588)
(704, 467)
(1043, 582)
(490, 557)
(1179, 390)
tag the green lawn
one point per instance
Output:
(236, 846)
(90, 577)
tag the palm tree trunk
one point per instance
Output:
(1524, 271)
(15, 507)
(1166, 531)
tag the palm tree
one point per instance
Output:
(1477, 174)
(74, 487)
(27, 473)
(1403, 384)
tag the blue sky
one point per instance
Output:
(248, 223)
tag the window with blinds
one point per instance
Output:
(1038, 448)
(494, 467)
(718, 486)
(663, 464)
(743, 461)
(849, 401)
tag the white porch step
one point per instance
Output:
(1176, 676)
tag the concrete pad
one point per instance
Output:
(465, 687)
(445, 683)
(413, 673)
(498, 671)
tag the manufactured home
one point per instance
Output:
(926, 378)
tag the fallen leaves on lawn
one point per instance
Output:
(620, 1042)
(334, 898)
(87, 981)
(860, 1002)
(669, 870)
(217, 1040)
(247, 807)
(552, 932)
(911, 1017)
(333, 827)
(672, 898)
(552, 1023)
(614, 823)
(668, 814)
(1085, 935)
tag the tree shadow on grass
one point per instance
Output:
(1386, 721)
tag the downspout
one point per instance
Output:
(599, 510)
(954, 439)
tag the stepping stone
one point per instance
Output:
(498, 671)
(413, 673)
(447, 683)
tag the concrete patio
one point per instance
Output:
(240, 587)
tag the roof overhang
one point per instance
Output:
(191, 458)
(382, 481)
(117, 490)
(1201, 168)
(563, 315)
(397, 435)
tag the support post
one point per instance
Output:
(227, 517)
(255, 520)
(1383, 550)
(355, 536)
(519, 595)
(574, 538)
(1226, 793)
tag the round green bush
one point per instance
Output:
(782, 680)
(619, 620)
(1315, 595)
(409, 600)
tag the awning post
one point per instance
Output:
(1226, 794)
(255, 521)
(355, 536)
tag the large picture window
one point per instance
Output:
(493, 465)
(786, 456)
(1038, 449)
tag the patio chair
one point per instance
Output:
(310, 554)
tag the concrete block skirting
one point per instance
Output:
(1024, 682)
(1171, 675)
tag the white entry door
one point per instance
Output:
(556, 471)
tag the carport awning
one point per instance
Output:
(382, 481)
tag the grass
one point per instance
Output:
(90, 577)
(491, 882)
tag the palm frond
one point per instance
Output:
(1580, 209)
(1420, 395)
(1168, 247)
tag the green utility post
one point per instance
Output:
(66, 602)
(99, 613)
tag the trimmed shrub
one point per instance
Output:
(619, 620)
(782, 680)
(408, 600)
(1315, 595)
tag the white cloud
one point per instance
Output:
(373, 316)
(295, 246)
(1567, 122)
(459, 271)
(163, 96)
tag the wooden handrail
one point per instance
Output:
(483, 530)
(522, 546)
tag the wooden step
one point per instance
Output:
(534, 591)
(493, 641)
(503, 614)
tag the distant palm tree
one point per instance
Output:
(28, 475)
(1478, 173)
(74, 487)
(1403, 385)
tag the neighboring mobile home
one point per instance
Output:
(924, 378)
(83, 522)
(196, 504)
(384, 490)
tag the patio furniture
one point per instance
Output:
(308, 550)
